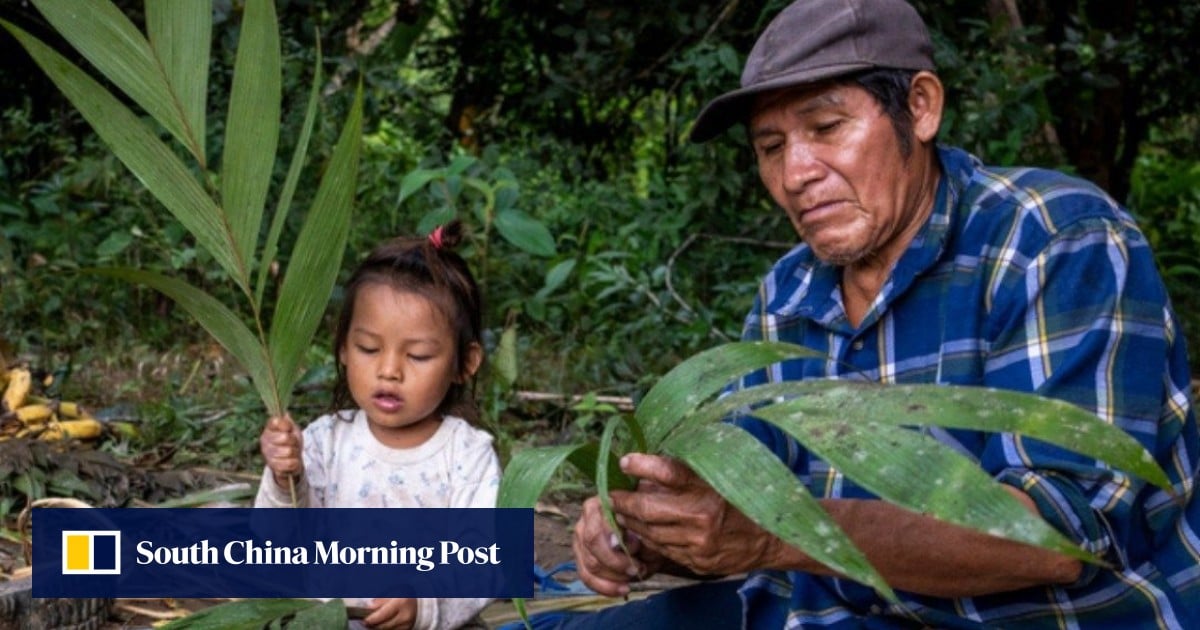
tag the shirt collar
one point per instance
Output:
(816, 283)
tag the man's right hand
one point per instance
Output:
(601, 562)
(282, 447)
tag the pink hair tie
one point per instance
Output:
(435, 237)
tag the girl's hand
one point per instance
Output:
(392, 613)
(282, 446)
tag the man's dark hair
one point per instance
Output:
(889, 87)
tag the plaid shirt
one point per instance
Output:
(1028, 280)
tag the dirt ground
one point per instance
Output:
(552, 546)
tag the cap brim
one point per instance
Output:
(733, 107)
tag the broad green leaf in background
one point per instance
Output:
(249, 154)
(180, 33)
(753, 480)
(111, 42)
(223, 324)
(505, 358)
(316, 258)
(525, 233)
(691, 383)
(140, 149)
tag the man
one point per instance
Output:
(918, 264)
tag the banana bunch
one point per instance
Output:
(25, 415)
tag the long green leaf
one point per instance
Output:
(107, 39)
(885, 459)
(606, 453)
(982, 409)
(180, 34)
(251, 127)
(586, 460)
(246, 614)
(284, 205)
(691, 383)
(220, 322)
(317, 257)
(150, 160)
(527, 473)
(769, 494)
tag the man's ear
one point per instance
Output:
(474, 360)
(926, 98)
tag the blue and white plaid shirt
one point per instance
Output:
(1028, 280)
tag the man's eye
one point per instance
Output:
(770, 148)
(828, 126)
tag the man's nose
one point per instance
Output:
(800, 166)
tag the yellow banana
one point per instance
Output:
(19, 383)
(34, 414)
(69, 409)
(80, 429)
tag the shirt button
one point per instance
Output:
(857, 345)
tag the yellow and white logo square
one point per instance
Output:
(91, 552)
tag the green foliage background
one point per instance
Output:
(575, 114)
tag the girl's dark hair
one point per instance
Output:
(429, 267)
(889, 87)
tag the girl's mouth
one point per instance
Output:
(388, 402)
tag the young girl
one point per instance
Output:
(408, 343)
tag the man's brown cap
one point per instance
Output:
(812, 40)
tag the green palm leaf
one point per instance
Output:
(150, 160)
(317, 257)
(284, 205)
(180, 33)
(754, 481)
(527, 473)
(108, 40)
(955, 407)
(886, 459)
(691, 383)
(251, 127)
(220, 322)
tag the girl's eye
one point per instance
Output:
(366, 350)
(420, 357)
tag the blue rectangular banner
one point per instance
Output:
(262, 552)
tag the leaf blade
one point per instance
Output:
(216, 318)
(147, 157)
(769, 494)
(689, 384)
(527, 473)
(885, 459)
(110, 41)
(984, 409)
(316, 258)
(180, 33)
(526, 233)
(251, 126)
